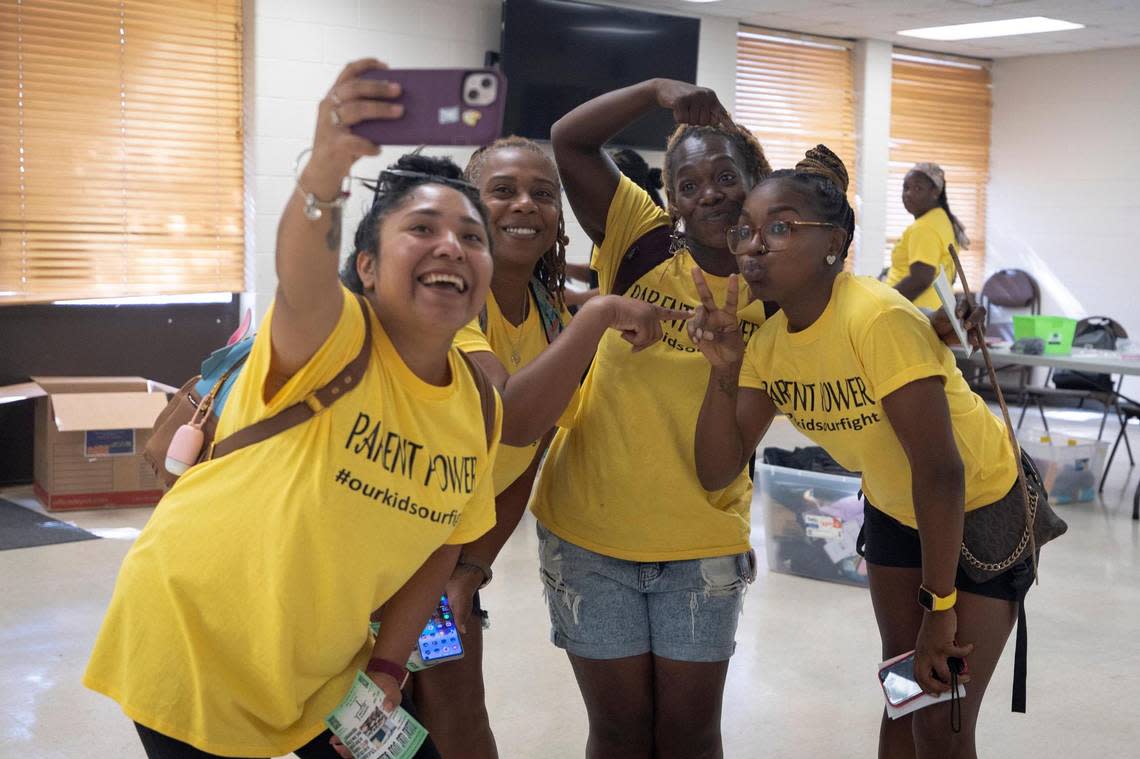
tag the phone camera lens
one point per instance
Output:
(472, 94)
(486, 82)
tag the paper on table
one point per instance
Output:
(949, 303)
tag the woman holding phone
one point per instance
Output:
(238, 619)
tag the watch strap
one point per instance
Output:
(390, 668)
(931, 601)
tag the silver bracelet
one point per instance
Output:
(313, 204)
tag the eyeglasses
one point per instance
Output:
(773, 236)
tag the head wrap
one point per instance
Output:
(933, 172)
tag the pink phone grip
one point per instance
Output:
(185, 448)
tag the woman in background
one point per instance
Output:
(924, 248)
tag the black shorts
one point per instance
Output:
(887, 542)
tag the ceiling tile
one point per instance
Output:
(1112, 23)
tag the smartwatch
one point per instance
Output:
(930, 601)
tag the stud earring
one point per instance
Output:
(831, 260)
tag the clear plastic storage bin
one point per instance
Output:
(811, 523)
(1070, 466)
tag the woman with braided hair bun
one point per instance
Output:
(924, 248)
(857, 368)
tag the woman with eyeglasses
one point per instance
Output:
(924, 248)
(857, 368)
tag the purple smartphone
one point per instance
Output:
(441, 107)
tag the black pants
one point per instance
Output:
(159, 746)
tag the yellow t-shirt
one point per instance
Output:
(240, 614)
(830, 379)
(926, 241)
(622, 481)
(506, 340)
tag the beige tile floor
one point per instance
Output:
(801, 684)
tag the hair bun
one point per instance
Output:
(820, 161)
(436, 166)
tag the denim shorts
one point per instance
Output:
(606, 608)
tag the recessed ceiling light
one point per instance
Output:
(1006, 28)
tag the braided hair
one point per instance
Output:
(960, 235)
(756, 165)
(391, 191)
(550, 270)
(822, 179)
(630, 163)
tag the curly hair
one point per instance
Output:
(550, 270)
(391, 192)
(755, 163)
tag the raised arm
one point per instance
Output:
(588, 174)
(308, 301)
(732, 420)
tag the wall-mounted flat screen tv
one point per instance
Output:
(557, 54)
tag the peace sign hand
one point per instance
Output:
(716, 330)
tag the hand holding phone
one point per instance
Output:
(350, 100)
(902, 690)
(440, 107)
(440, 641)
(936, 643)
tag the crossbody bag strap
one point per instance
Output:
(643, 255)
(486, 396)
(299, 412)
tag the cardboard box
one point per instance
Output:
(89, 437)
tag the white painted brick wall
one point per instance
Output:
(301, 45)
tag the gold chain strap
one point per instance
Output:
(1009, 561)
(1029, 498)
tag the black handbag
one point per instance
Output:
(1000, 535)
